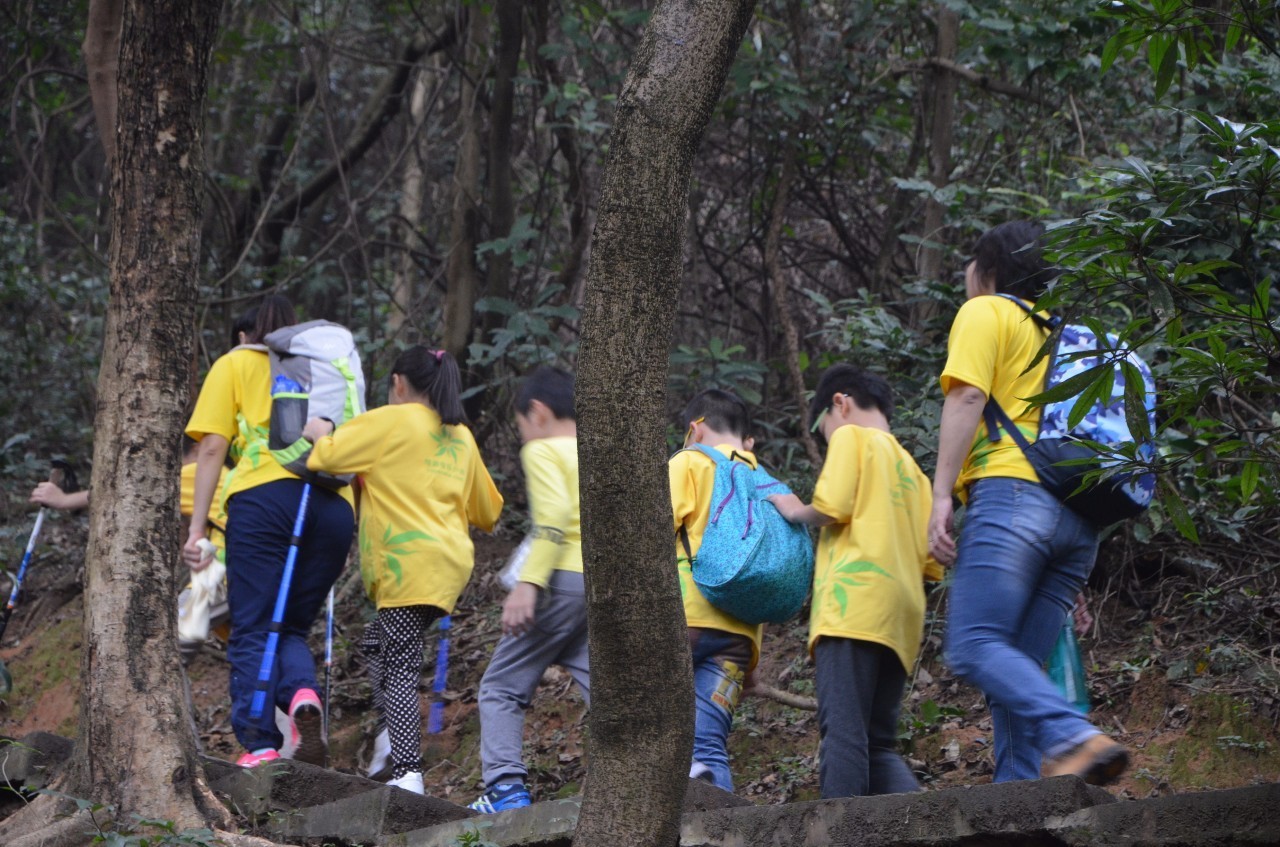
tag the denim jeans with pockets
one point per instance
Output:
(1022, 558)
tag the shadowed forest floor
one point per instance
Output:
(1197, 711)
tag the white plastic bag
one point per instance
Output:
(208, 589)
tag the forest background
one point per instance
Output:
(427, 172)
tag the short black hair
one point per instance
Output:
(243, 323)
(550, 386)
(1012, 254)
(721, 410)
(868, 390)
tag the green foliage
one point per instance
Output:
(140, 831)
(717, 365)
(926, 718)
(1183, 34)
(472, 837)
(1182, 252)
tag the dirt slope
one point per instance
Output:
(1193, 718)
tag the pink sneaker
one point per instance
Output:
(309, 720)
(258, 757)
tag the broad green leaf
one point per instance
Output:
(1248, 479)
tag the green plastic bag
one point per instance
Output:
(1066, 668)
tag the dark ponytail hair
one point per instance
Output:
(274, 311)
(434, 374)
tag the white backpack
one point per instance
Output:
(315, 373)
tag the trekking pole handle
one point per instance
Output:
(55, 477)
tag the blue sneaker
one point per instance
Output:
(501, 797)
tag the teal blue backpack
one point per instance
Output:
(753, 564)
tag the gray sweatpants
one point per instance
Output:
(558, 637)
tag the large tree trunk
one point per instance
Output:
(135, 752)
(135, 741)
(641, 723)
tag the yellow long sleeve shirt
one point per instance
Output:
(423, 485)
(551, 478)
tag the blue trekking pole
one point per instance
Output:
(328, 659)
(277, 616)
(55, 476)
(435, 718)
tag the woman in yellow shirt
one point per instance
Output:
(423, 485)
(233, 413)
(1022, 555)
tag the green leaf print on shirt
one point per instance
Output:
(843, 576)
(906, 485)
(447, 445)
(396, 546)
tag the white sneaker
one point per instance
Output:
(380, 761)
(412, 781)
(700, 771)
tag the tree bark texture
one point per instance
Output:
(941, 110)
(413, 194)
(641, 722)
(135, 747)
(101, 49)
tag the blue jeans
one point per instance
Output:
(1022, 559)
(720, 661)
(259, 526)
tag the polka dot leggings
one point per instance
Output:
(392, 646)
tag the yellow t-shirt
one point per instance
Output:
(551, 477)
(423, 484)
(991, 344)
(235, 402)
(217, 522)
(870, 566)
(692, 477)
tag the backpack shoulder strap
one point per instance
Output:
(1049, 324)
(710, 452)
(996, 419)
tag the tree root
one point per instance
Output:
(44, 828)
(786, 698)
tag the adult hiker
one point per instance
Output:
(1022, 555)
(233, 412)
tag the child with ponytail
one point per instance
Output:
(423, 484)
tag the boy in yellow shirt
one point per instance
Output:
(544, 618)
(872, 502)
(724, 649)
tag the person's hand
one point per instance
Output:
(192, 553)
(941, 543)
(1083, 617)
(49, 494)
(518, 609)
(316, 429)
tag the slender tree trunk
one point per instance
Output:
(460, 269)
(102, 61)
(641, 729)
(510, 15)
(135, 747)
(403, 293)
(782, 306)
(942, 100)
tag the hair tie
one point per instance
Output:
(439, 354)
